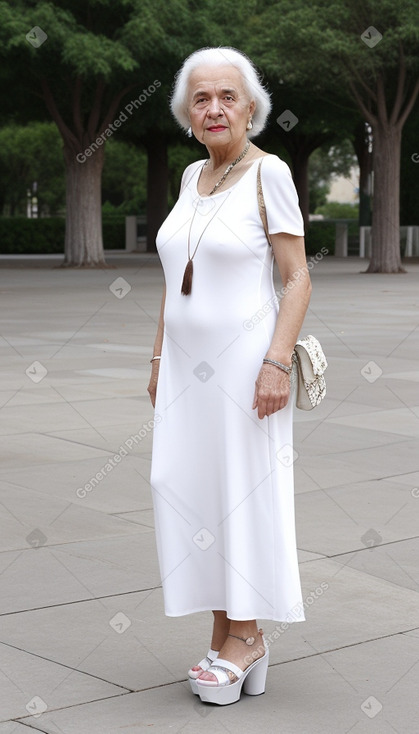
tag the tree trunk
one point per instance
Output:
(363, 155)
(83, 234)
(300, 160)
(385, 231)
(157, 186)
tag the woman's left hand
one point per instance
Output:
(272, 390)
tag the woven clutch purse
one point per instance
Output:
(311, 365)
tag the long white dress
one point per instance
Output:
(222, 479)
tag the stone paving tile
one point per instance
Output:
(14, 727)
(87, 483)
(338, 435)
(402, 421)
(38, 448)
(64, 416)
(377, 462)
(143, 517)
(65, 573)
(26, 678)
(356, 516)
(393, 562)
(32, 519)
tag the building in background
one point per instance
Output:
(345, 189)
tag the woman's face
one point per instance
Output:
(219, 107)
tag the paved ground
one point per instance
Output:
(84, 644)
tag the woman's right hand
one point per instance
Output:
(152, 385)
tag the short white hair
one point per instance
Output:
(221, 56)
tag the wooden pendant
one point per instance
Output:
(187, 279)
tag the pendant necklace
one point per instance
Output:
(187, 277)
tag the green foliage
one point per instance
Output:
(318, 44)
(27, 236)
(322, 234)
(100, 52)
(124, 179)
(318, 235)
(21, 236)
(98, 56)
(336, 210)
(328, 161)
(34, 153)
(27, 154)
(113, 232)
(181, 156)
(324, 163)
(317, 196)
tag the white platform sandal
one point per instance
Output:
(203, 665)
(223, 691)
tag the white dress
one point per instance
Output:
(222, 479)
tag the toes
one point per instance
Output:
(208, 676)
(196, 668)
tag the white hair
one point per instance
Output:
(221, 56)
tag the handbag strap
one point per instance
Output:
(261, 203)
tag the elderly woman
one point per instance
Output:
(221, 379)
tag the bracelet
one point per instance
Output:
(281, 366)
(156, 357)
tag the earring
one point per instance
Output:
(249, 125)
(189, 132)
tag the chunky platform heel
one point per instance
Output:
(223, 691)
(254, 684)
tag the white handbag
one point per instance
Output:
(311, 364)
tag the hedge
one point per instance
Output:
(22, 236)
(19, 235)
(322, 234)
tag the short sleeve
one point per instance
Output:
(281, 199)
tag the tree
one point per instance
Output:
(190, 25)
(124, 178)
(324, 164)
(409, 194)
(322, 115)
(31, 153)
(368, 47)
(314, 130)
(93, 67)
(362, 142)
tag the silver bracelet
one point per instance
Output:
(281, 366)
(156, 357)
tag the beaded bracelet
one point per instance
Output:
(281, 366)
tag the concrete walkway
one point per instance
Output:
(84, 645)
